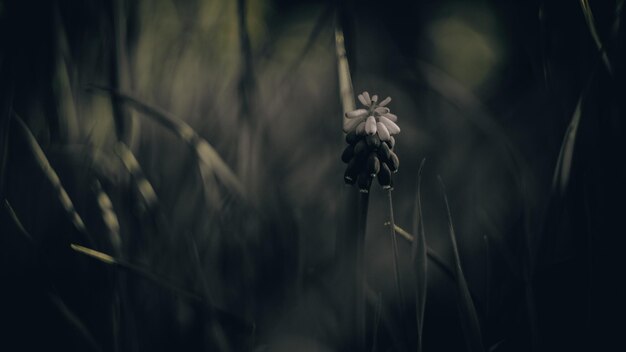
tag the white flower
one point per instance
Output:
(374, 118)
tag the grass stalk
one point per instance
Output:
(351, 244)
(431, 254)
(17, 222)
(75, 321)
(210, 163)
(591, 24)
(467, 311)
(396, 265)
(419, 256)
(142, 272)
(42, 162)
(359, 272)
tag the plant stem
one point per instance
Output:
(396, 267)
(359, 272)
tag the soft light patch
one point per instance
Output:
(463, 51)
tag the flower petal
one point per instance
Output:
(350, 124)
(362, 100)
(370, 125)
(391, 126)
(374, 98)
(385, 101)
(391, 117)
(366, 95)
(360, 129)
(381, 111)
(356, 113)
(383, 132)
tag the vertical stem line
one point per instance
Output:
(396, 266)
(359, 271)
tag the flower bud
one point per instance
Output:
(384, 176)
(352, 137)
(384, 153)
(360, 149)
(352, 170)
(391, 142)
(373, 165)
(347, 154)
(394, 162)
(364, 182)
(372, 141)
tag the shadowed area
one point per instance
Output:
(170, 176)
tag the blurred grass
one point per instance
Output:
(262, 247)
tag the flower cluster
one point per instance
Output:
(370, 141)
(375, 119)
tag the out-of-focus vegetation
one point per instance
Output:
(170, 175)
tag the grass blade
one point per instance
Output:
(346, 92)
(221, 314)
(435, 257)
(420, 260)
(584, 4)
(75, 321)
(351, 245)
(120, 76)
(53, 178)
(144, 186)
(247, 80)
(17, 221)
(210, 162)
(561, 176)
(394, 243)
(469, 318)
(109, 217)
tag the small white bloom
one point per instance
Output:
(374, 118)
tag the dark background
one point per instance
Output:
(489, 92)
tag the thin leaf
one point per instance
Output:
(144, 186)
(396, 266)
(247, 79)
(584, 4)
(17, 221)
(75, 321)
(109, 217)
(120, 77)
(53, 178)
(209, 161)
(420, 260)
(394, 329)
(496, 346)
(346, 92)
(222, 315)
(469, 318)
(563, 168)
(431, 253)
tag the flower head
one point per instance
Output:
(375, 118)
(370, 152)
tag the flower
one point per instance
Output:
(369, 157)
(375, 119)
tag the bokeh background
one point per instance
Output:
(518, 106)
